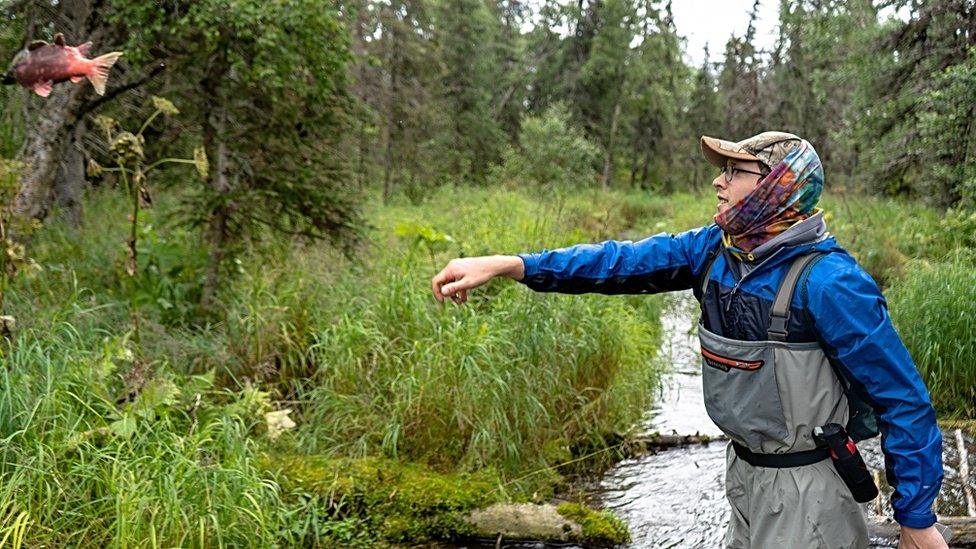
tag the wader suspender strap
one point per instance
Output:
(779, 313)
(707, 270)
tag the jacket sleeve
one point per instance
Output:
(660, 263)
(852, 319)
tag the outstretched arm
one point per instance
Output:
(660, 263)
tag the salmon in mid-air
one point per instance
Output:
(41, 65)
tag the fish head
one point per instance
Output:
(19, 59)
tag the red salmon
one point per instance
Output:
(41, 65)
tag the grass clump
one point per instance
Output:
(598, 526)
(92, 464)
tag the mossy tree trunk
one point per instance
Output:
(42, 151)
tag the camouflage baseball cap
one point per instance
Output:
(769, 148)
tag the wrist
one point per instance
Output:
(510, 266)
(917, 521)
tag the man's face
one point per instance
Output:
(730, 193)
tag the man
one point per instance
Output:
(794, 335)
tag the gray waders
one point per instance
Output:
(767, 396)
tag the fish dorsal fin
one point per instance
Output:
(59, 39)
(85, 49)
(36, 44)
(43, 88)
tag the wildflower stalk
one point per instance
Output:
(130, 161)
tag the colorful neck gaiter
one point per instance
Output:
(785, 196)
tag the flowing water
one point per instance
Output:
(676, 498)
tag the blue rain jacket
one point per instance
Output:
(840, 306)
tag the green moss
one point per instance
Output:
(598, 526)
(395, 501)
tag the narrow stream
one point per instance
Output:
(676, 498)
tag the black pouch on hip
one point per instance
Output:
(847, 460)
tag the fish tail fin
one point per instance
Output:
(99, 71)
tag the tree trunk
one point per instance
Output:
(217, 225)
(645, 167)
(634, 152)
(363, 151)
(47, 140)
(41, 153)
(608, 158)
(69, 183)
(390, 170)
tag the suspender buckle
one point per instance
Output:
(777, 326)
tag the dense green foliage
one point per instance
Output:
(160, 437)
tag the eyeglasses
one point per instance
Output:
(730, 169)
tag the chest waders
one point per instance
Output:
(768, 396)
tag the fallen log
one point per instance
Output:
(656, 441)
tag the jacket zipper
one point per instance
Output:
(728, 304)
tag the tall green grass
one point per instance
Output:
(511, 380)
(165, 468)
(934, 309)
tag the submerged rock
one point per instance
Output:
(547, 523)
(524, 521)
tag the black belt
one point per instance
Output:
(795, 459)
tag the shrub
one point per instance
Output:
(551, 154)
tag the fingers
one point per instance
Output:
(453, 281)
(454, 287)
(438, 283)
(435, 286)
(447, 283)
